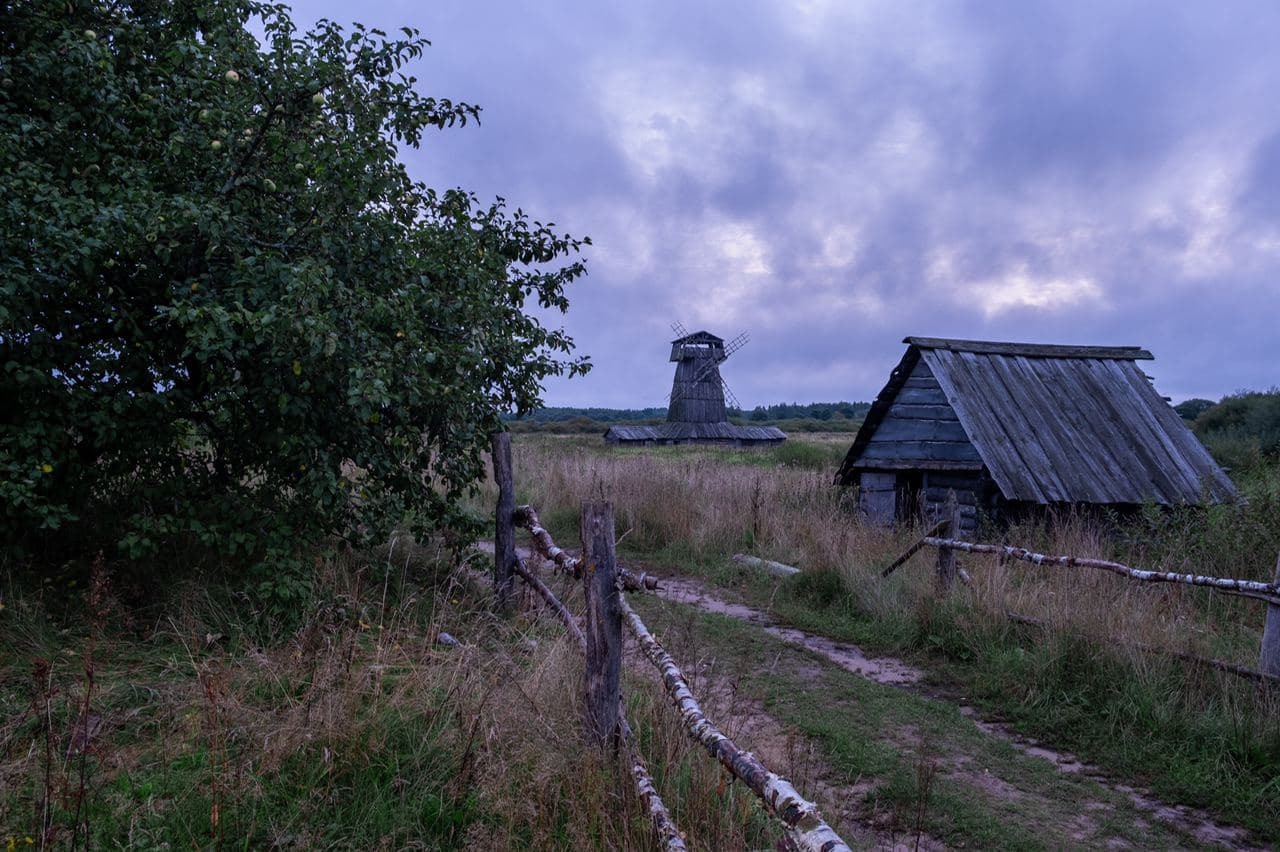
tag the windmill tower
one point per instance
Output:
(696, 410)
(698, 391)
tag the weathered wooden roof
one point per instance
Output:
(1060, 424)
(699, 337)
(695, 432)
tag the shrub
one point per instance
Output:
(231, 323)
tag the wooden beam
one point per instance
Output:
(777, 569)
(1269, 655)
(937, 529)
(1269, 592)
(526, 517)
(945, 568)
(504, 538)
(602, 677)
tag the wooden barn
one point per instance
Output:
(696, 411)
(1008, 426)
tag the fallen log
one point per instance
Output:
(526, 517)
(805, 826)
(1205, 662)
(663, 825)
(1269, 592)
(777, 569)
(566, 617)
(937, 529)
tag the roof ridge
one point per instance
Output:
(1031, 350)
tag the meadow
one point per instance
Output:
(396, 712)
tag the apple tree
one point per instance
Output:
(232, 326)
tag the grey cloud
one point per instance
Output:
(837, 178)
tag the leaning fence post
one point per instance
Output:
(601, 680)
(946, 564)
(504, 536)
(1269, 657)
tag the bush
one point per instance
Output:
(231, 324)
(1242, 428)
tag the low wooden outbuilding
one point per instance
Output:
(1010, 425)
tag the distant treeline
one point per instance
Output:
(759, 414)
(790, 417)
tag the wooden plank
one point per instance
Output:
(945, 567)
(1128, 440)
(951, 479)
(1082, 420)
(602, 674)
(908, 464)
(1030, 350)
(984, 429)
(923, 451)
(893, 429)
(1066, 475)
(921, 396)
(504, 537)
(1187, 456)
(1269, 654)
(1023, 423)
(920, 411)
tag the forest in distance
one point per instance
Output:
(1237, 429)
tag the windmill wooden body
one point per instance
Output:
(697, 410)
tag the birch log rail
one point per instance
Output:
(527, 517)
(1269, 592)
(805, 827)
(937, 529)
(566, 617)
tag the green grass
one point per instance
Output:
(1195, 737)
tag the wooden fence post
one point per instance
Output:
(1269, 656)
(504, 537)
(946, 564)
(601, 680)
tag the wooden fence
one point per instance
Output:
(946, 570)
(600, 641)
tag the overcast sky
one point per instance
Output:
(830, 177)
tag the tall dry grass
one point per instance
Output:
(359, 729)
(705, 505)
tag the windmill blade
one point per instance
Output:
(734, 345)
(679, 329)
(707, 368)
(729, 398)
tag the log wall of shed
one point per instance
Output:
(918, 453)
(920, 427)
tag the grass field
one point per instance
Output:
(191, 725)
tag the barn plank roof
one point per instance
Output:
(1059, 424)
(695, 432)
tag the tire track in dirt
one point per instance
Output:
(888, 671)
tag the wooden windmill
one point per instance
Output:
(698, 391)
(696, 410)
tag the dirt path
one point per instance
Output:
(1198, 826)
(1077, 806)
